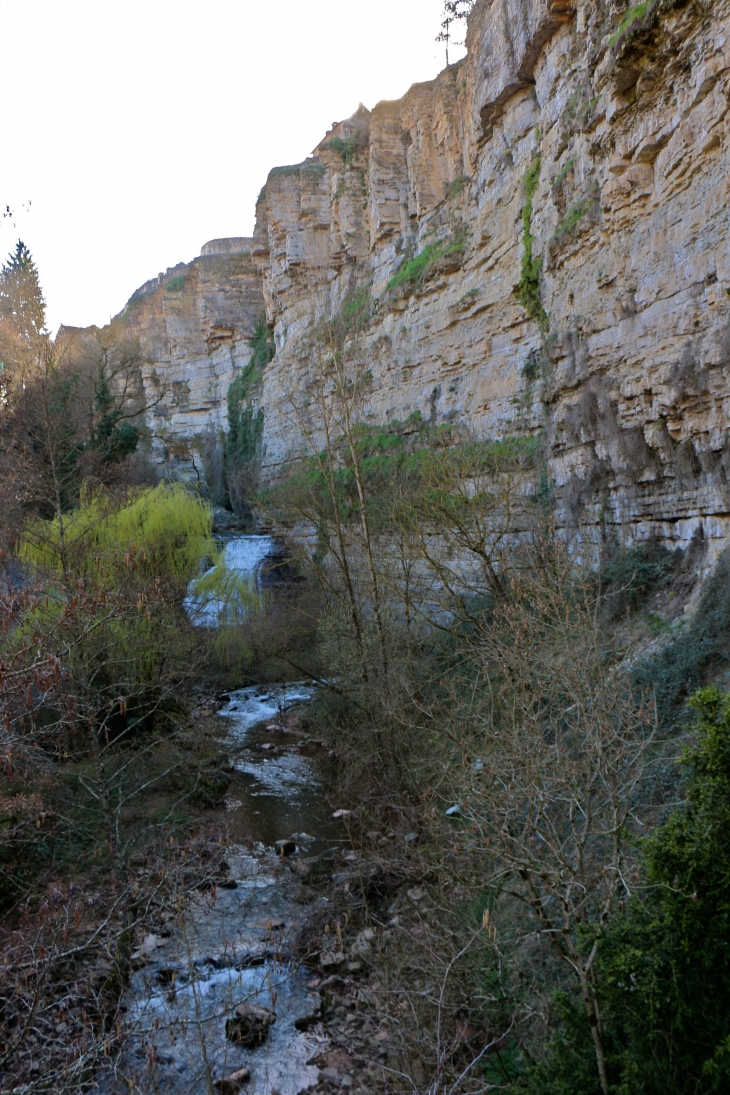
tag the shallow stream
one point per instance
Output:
(231, 946)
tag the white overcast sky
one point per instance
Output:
(140, 129)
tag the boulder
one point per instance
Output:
(231, 1085)
(250, 1024)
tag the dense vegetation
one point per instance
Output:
(98, 765)
(246, 418)
(538, 806)
(506, 748)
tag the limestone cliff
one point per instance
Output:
(191, 326)
(598, 316)
(622, 117)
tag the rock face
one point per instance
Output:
(191, 327)
(623, 117)
(600, 319)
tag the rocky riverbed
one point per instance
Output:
(234, 945)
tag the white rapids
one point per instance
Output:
(240, 569)
(284, 773)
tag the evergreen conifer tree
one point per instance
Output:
(23, 332)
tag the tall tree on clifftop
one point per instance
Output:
(454, 11)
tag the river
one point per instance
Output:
(232, 945)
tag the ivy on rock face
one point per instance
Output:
(527, 290)
(246, 422)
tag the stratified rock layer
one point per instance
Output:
(191, 328)
(621, 114)
(628, 377)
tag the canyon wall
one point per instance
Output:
(597, 317)
(188, 330)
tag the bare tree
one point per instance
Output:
(563, 745)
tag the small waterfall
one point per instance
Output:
(229, 583)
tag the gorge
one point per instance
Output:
(365, 604)
(538, 242)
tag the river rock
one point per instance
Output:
(328, 959)
(231, 1085)
(361, 946)
(250, 1024)
(306, 1021)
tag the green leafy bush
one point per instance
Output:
(664, 964)
(347, 148)
(167, 528)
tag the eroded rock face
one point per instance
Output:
(190, 329)
(629, 377)
(624, 121)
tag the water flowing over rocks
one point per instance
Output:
(219, 994)
(242, 559)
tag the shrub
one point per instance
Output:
(167, 528)
(414, 271)
(346, 149)
(630, 577)
(632, 14)
(664, 963)
(304, 170)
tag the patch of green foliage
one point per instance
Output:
(562, 175)
(664, 963)
(174, 285)
(262, 344)
(233, 594)
(532, 367)
(415, 271)
(527, 290)
(578, 107)
(136, 299)
(410, 453)
(315, 170)
(114, 583)
(701, 646)
(262, 195)
(455, 187)
(347, 148)
(245, 423)
(353, 315)
(576, 213)
(116, 438)
(167, 528)
(629, 578)
(632, 14)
